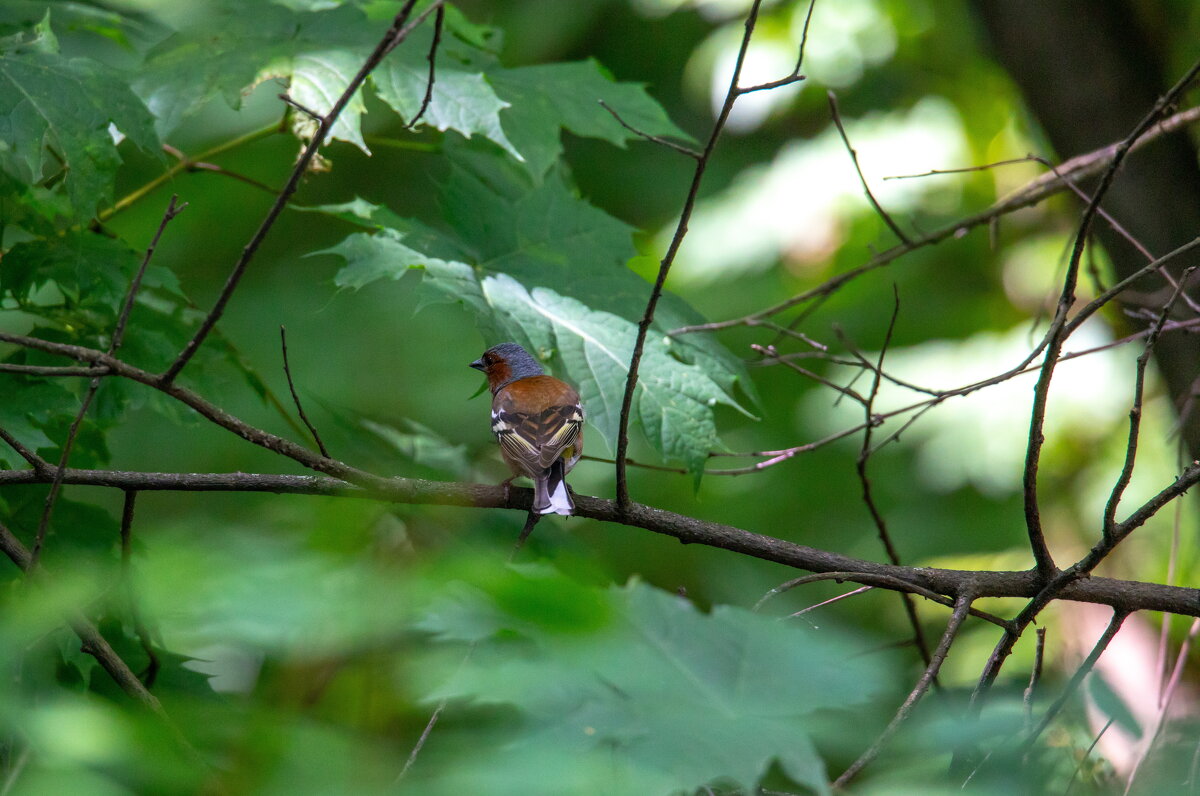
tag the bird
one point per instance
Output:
(538, 421)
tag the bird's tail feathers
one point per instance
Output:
(550, 493)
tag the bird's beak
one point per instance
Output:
(478, 365)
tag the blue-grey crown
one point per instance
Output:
(521, 365)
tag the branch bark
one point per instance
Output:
(1119, 594)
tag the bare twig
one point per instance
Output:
(185, 164)
(1059, 328)
(1085, 668)
(962, 605)
(1035, 674)
(287, 371)
(864, 481)
(118, 337)
(1160, 720)
(1135, 412)
(669, 144)
(93, 643)
(316, 117)
(966, 169)
(438, 21)
(831, 601)
(794, 76)
(668, 259)
(880, 580)
(1086, 755)
(135, 614)
(883, 214)
(1031, 194)
(40, 465)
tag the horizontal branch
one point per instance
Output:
(1123, 595)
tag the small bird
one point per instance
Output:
(538, 421)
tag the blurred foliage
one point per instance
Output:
(304, 641)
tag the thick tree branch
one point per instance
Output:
(1119, 594)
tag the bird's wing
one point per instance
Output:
(538, 439)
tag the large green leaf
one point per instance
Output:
(540, 265)
(523, 110)
(68, 107)
(547, 98)
(316, 52)
(674, 400)
(638, 686)
(27, 407)
(462, 99)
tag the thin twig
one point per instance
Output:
(184, 164)
(794, 76)
(287, 371)
(1035, 675)
(668, 259)
(680, 148)
(1031, 194)
(118, 337)
(1160, 718)
(432, 58)
(39, 465)
(93, 643)
(879, 580)
(135, 614)
(864, 481)
(420, 744)
(1087, 753)
(1085, 668)
(883, 214)
(831, 601)
(962, 605)
(966, 169)
(316, 117)
(1135, 412)
(215, 169)
(1059, 330)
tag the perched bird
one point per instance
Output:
(538, 421)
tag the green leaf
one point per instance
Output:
(548, 98)
(88, 269)
(66, 105)
(462, 99)
(424, 446)
(674, 400)
(220, 55)
(71, 650)
(27, 406)
(656, 694)
(543, 267)
(38, 37)
(316, 80)
(231, 50)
